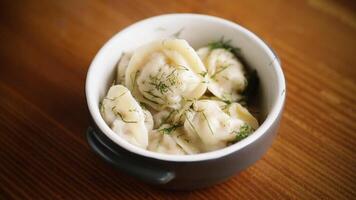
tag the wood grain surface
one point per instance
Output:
(47, 46)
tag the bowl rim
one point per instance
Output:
(271, 118)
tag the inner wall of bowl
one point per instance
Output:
(198, 32)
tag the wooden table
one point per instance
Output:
(47, 46)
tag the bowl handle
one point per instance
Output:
(128, 165)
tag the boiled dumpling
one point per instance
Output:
(163, 73)
(121, 68)
(226, 73)
(125, 116)
(217, 124)
(210, 124)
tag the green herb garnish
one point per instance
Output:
(117, 113)
(207, 121)
(191, 124)
(221, 44)
(169, 116)
(183, 67)
(170, 129)
(203, 74)
(178, 33)
(226, 98)
(133, 110)
(153, 95)
(150, 100)
(244, 131)
(221, 69)
(163, 82)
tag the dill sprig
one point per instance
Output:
(153, 95)
(244, 131)
(117, 113)
(150, 100)
(169, 130)
(203, 73)
(226, 107)
(224, 44)
(221, 69)
(207, 121)
(169, 116)
(163, 82)
(178, 33)
(183, 67)
(191, 124)
(133, 110)
(115, 98)
(226, 98)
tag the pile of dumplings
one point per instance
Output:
(171, 99)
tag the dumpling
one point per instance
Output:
(162, 141)
(212, 124)
(125, 116)
(226, 73)
(121, 68)
(163, 73)
(207, 120)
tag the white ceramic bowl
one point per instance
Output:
(185, 171)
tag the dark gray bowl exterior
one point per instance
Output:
(187, 175)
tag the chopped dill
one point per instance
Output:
(221, 44)
(191, 124)
(153, 95)
(226, 98)
(174, 70)
(244, 131)
(170, 129)
(122, 118)
(163, 82)
(184, 67)
(150, 100)
(178, 33)
(203, 74)
(221, 69)
(187, 100)
(133, 110)
(207, 121)
(168, 117)
(225, 108)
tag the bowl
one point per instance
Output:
(185, 172)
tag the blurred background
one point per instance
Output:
(46, 48)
